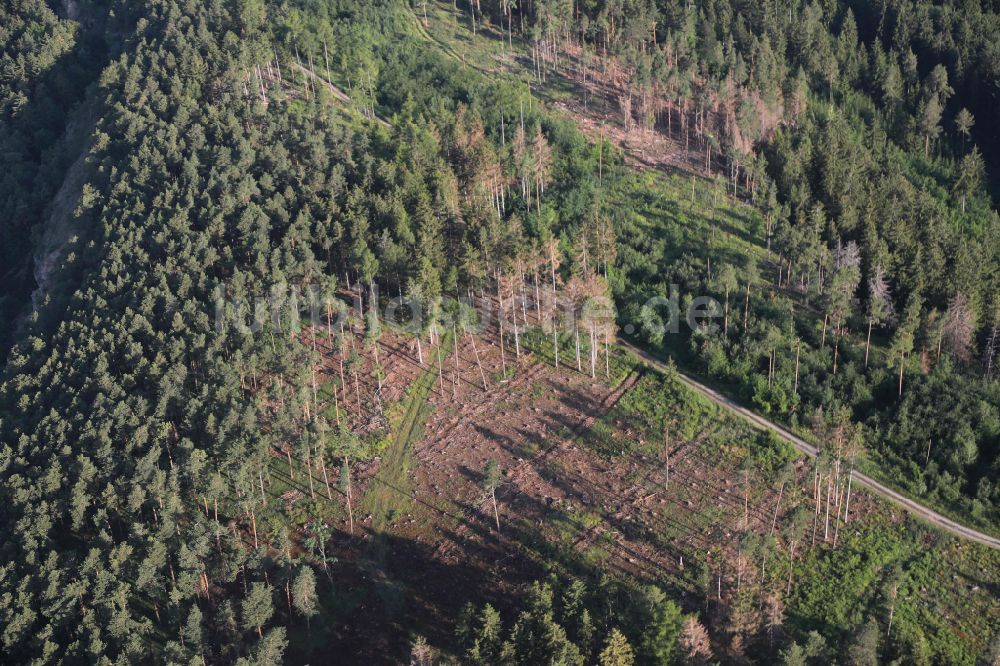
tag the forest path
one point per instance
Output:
(652, 150)
(393, 478)
(917, 509)
(339, 94)
(391, 492)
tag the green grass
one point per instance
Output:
(938, 604)
(655, 403)
(611, 371)
(451, 31)
(390, 490)
(308, 507)
(948, 605)
(939, 607)
(390, 494)
(669, 216)
(570, 525)
(694, 211)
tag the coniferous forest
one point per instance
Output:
(499, 332)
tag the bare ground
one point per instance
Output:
(559, 500)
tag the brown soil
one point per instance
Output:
(594, 105)
(442, 548)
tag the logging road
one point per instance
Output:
(929, 515)
(917, 509)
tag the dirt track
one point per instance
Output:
(910, 505)
(808, 449)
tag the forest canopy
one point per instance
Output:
(160, 156)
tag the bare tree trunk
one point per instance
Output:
(798, 349)
(440, 370)
(378, 366)
(309, 469)
(817, 491)
(343, 382)
(791, 566)
(555, 343)
(496, 514)
(593, 352)
(746, 499)
(454, 385)
(666, 458)
(725, 315)
(826, 524)
(517, 334)
(253, 524)
(326, 58)
(576, 335)
(475, 350)
(538, 298)
(607, 354)
(868, 344)
(774, 520)
(312, 371)
(503, 355)
(746, 310)
(326, 478)
(357, 391)
(350, 509)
